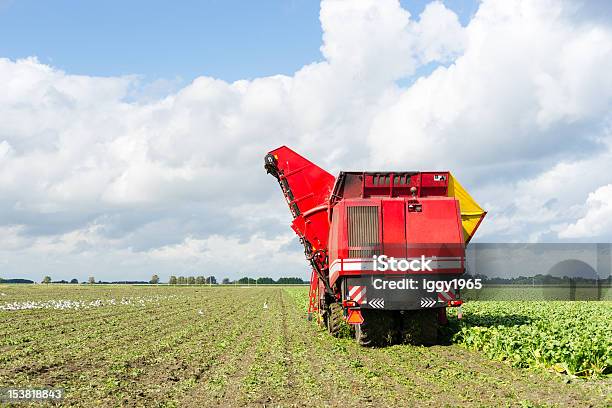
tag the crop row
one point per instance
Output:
(222, 347)
(568, 337)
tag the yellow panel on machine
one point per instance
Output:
(471, 213)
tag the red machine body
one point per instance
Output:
(346, 222)
(307, 189)
(402, 215)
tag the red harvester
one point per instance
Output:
(418, 219)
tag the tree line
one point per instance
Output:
(540, 279)
(191, 280)
(175, 280)
(200, 280)
(91, 280)
(265, 281)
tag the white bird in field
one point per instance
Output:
(265, 305)
(200, 312)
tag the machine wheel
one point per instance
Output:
(379, 328)
(420, 326)
(335, 319)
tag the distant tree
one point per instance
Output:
(154, 280)
(46, 279)
(211, 280)
(200, 280)
(181, 280)
(74, 280)
(226, 281)
(191, 280)
(246, 281)
(17, 280)
(290, 281)
(172, 280)
(91, 280)
(265, 281)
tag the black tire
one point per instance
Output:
(335, 319)
(379, 328)
(420, 327)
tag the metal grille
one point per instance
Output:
(363, 231)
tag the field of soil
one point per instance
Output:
(199, 346)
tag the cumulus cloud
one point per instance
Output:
(95, 177)
(531, 86)
(526, 105)
(598, 217)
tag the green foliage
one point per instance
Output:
(568, 337)
(154, 280)
(290, 281)
(172, 280)
(46, 279)
(151, 345)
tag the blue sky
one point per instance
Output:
(229, 39)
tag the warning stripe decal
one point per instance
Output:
(357, 293)
(446, 296)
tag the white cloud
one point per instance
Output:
(529, 87)
(598, 217)
(536, 208)
(439, 34)
(96, 175)
(259, 256)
